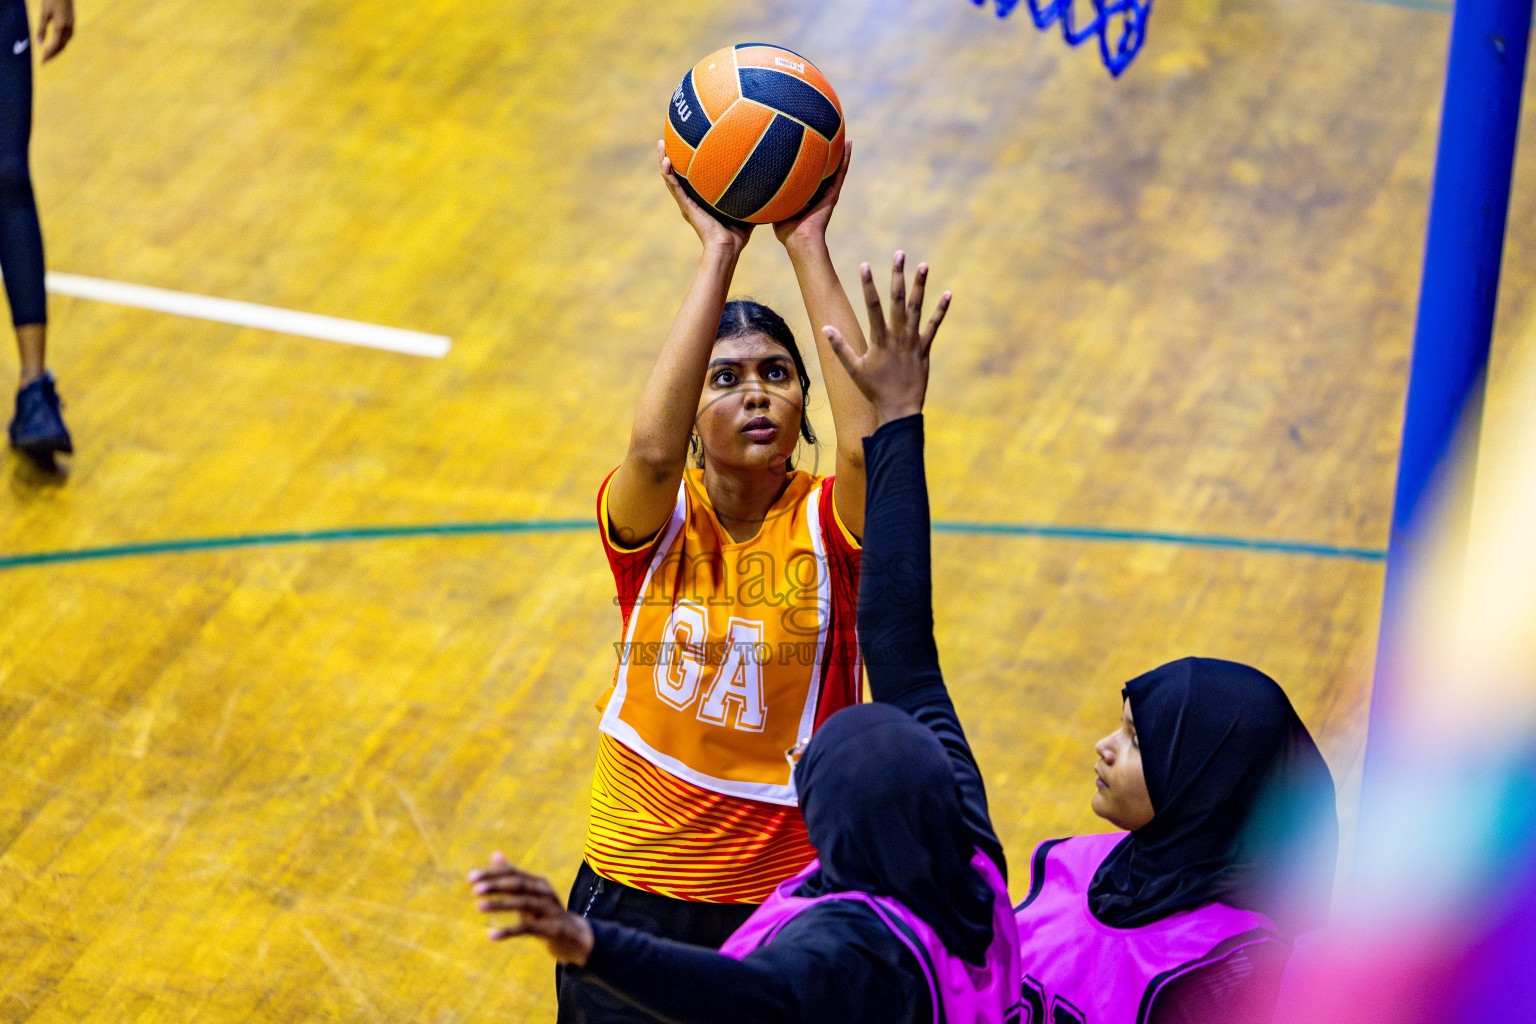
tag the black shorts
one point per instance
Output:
(699, 924)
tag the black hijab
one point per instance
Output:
(1240, 797)
(884, 814)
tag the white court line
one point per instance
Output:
(248, 314)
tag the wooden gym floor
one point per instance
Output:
(242, 779)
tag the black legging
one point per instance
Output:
(21, 236)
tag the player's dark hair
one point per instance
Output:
(742, 317)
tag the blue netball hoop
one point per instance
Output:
(1120, 25)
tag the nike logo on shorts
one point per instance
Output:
(21, 47)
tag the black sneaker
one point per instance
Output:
(38, 429)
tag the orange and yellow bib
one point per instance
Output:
(731, 653)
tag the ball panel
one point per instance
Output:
(727, 146)
(804, 177)
(685, 115)
(715, 79)
(764, 172)
(678, 151)
(776, 58)
(789, 95)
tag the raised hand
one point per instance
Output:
(539, 910)
(893, 372)
(710, 229)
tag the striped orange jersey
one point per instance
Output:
(730, 654)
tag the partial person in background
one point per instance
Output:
(37, 429)
(1229, 848)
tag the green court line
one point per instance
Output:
(163, 547)
(1193, 539)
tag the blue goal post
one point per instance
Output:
(1469, 205)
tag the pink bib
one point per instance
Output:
(962, 994)
(1075, 968)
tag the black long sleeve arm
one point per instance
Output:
(896, 609)
(835, 963)
(685, 984)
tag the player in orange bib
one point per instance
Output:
(737, 577)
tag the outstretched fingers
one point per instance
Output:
(852, 361)
(523, 903)
(931, 328)
(915, 298)
(508, 890)
(502, 888)
(542, 928)
(898, 293)
(872, 303)
(510, 881)
(511, 888)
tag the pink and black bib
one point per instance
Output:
(1076, 969)
(962, 994)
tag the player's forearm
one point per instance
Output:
(896, 610)
(670, 399)
(826, 303)
(895, 579)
